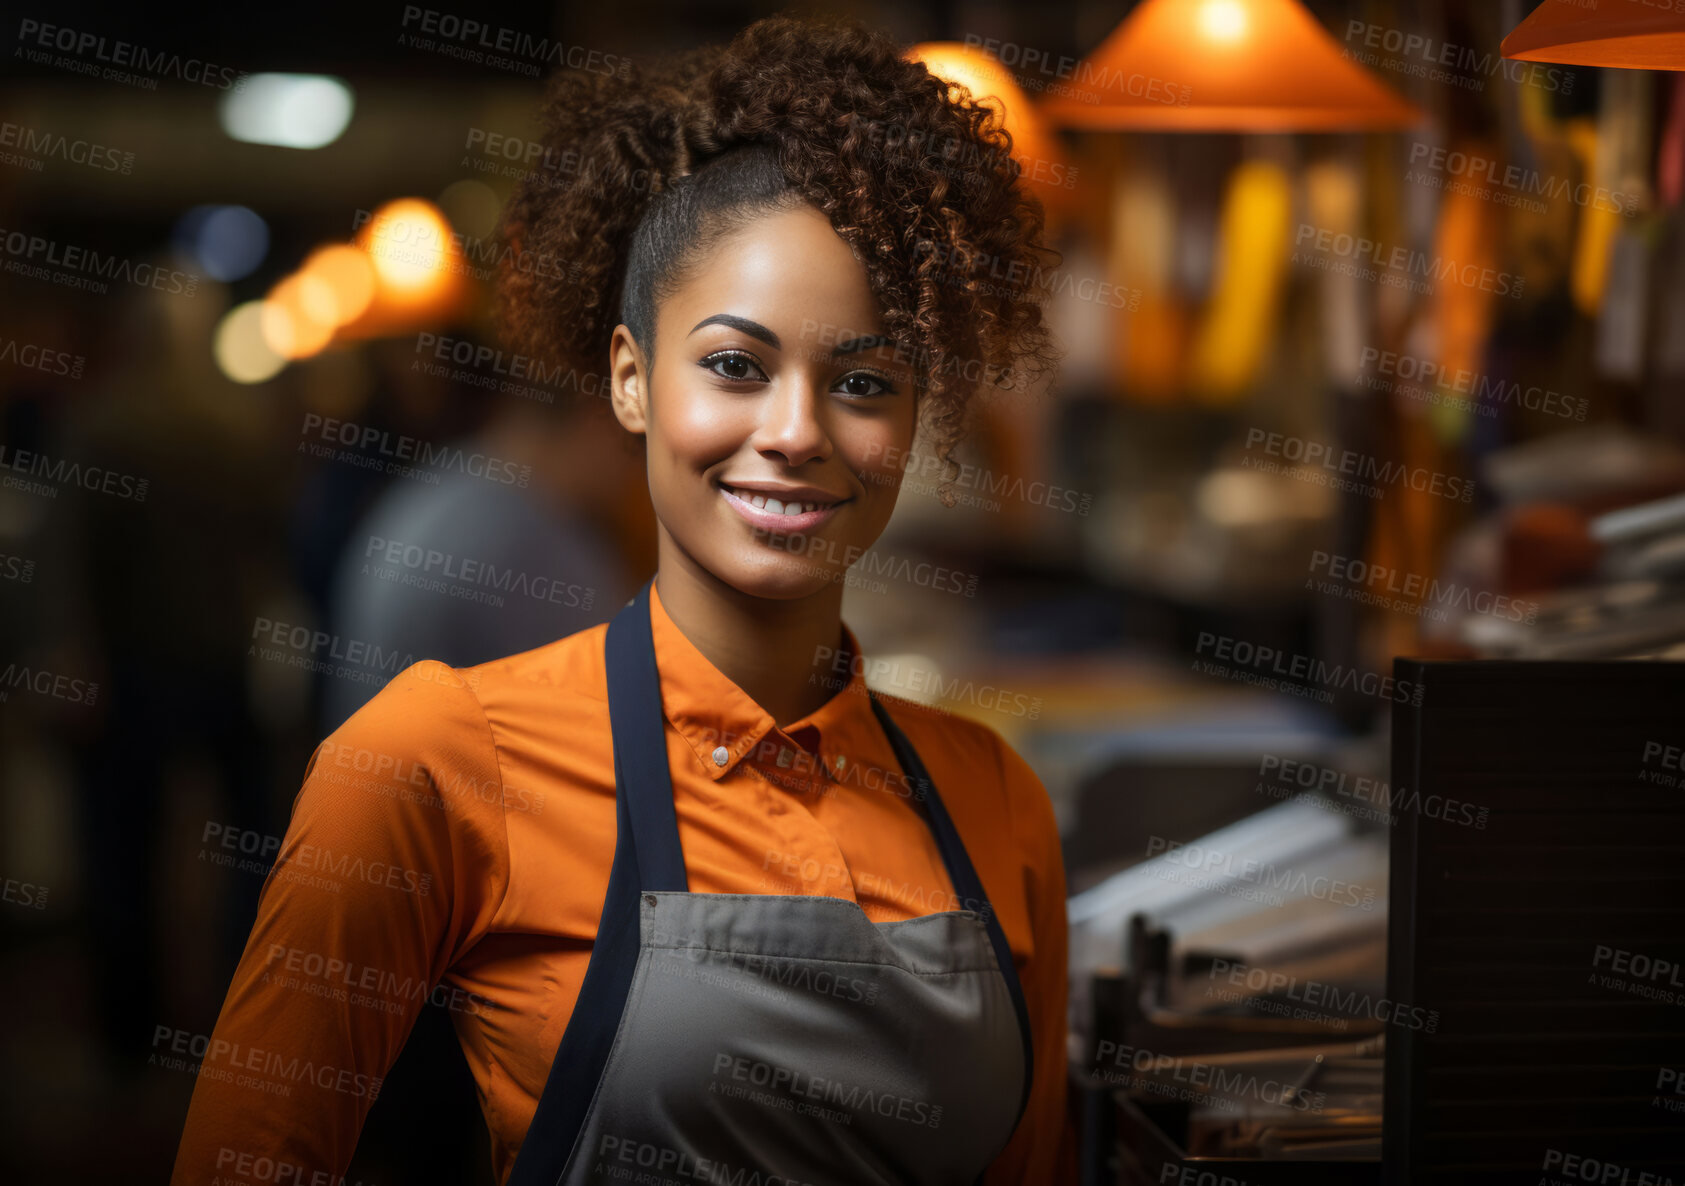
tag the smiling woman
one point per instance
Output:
(716, 914)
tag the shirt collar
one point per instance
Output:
(713, 714)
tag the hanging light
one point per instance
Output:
(1224, 66)
(1034, 147)
(1622, 33)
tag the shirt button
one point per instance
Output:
(721, 755)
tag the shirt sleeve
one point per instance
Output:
(1043, 1149)
(393, 864)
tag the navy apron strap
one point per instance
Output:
(967, 884)
(646, 856)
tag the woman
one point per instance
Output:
(703, 908)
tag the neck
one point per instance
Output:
(769, 648)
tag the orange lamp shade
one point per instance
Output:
(1224, 66)
(1034, 146)
(1622, 33)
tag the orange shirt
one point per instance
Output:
(451, 844)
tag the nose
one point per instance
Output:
(792, 424)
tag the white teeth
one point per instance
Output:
(775, 506)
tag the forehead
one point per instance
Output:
(788, 270)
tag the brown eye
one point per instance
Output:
(862, 383)
(737, 367)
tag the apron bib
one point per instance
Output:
(765, 1039)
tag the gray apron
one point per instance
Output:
(772, 1040)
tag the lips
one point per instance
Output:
(783, 509)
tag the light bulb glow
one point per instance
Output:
(1223, 20)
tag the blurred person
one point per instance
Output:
(477, 568)
(691, 894)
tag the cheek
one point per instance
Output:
(696, 429)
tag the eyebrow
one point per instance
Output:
(753, 328)
(855, 345)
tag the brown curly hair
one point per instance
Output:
(918, 178)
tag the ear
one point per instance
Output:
(629, 381)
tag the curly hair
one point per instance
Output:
(915, 175)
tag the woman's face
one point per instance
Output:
(777, 416)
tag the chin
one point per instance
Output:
(777, 576)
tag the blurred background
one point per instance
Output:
(1390, 370)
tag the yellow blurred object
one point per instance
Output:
(1597, 226)
(1467, 235)
(409, 242)
(289, 326)
(240, 347)
(1253, 239)
(1225, 65)
(336, 284)
(1046, 171)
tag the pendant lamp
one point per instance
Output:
(1624, 33)
(1223, 66)
(1034, 147)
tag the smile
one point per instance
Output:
(797, 510)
